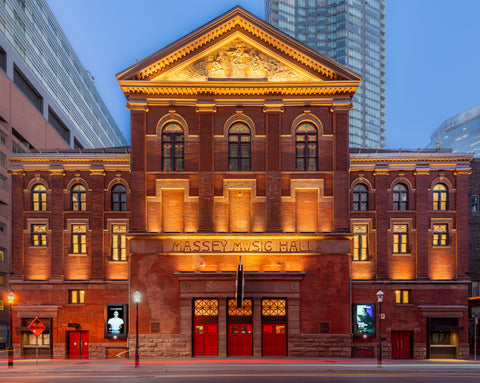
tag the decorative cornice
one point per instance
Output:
(141, 106)
(273, 106)
(243, 88)
(205, 106)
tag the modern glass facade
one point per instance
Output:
(36, 55)
(352, 32)
(461, 133)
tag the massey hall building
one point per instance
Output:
(239, 156)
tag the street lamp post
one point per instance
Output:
(380, 294)
(137, 296)
(11, 300)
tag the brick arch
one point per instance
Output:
(307, 117)
(76, 180)
(442, 180)
(118, 180)
(171, 117)
(239, 117)
(35, 181)
(402, 180)
(361, 180)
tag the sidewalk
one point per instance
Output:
(172, 366)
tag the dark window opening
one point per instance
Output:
(59, 126)
(28, 89)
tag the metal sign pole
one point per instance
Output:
(475, 338)
(36, 341)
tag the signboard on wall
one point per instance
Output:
(116, 321)
(364, 320)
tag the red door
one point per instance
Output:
(240, 340)
(401, 347)
(78, 344)
(274, 340)
(205, 339)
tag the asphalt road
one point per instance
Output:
(239, 371)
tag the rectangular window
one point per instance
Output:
(79, 239)
(475, 203)
(3, 182)
(119, 243)
(2, 254)
(402, 296)
(76, 297)
(440, 235)
(59, 126)
(2, 306)
(28, 89)
(1, 280)
(39, 235)
(3, 60)
(360, 243)
(400, 239)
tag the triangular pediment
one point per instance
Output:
(237, 58)
(235, 48)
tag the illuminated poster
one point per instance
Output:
(116, 321)
(364, 322)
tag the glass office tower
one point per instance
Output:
(461, 133)
(38, 58)
(352, 32)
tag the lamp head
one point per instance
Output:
(137, 296)
(380, 294)
(11, 298)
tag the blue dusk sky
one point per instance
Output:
(433, 63)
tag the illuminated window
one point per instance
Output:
(39, 235)
(39, 198)
(360, 198)
(76, 297)
(440, 197)
(172, 148)
(79, 198)
(119, 243)
(2, 254)
(400, 197)
(239, 147)
(360, 243)
(1, 280)
(440, 235)
(246, 310)
(2, 306)
(119, 198)
(206, 307)
(402, 296)
(79, 239)
(306, 147)
(475, 203)
(274, 307)
(400, 239)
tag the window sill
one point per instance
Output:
(38, 247)
(441, 247)
(114, 261)
(401, 254)
(78, 254)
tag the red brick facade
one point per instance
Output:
(192, 212)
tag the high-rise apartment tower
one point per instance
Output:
(352, 32)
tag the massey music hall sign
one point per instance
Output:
(242, 244)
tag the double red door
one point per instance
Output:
(78, 344)
(401, 344)
(205, 339)
(274, 340)
(240, 340)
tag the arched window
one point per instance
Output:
(239, 147)
(306, 147)
(119, 198)
(360, 197)
(440, 197)
(79, 197)
(172, 148)
(39, 198)
(400, 197)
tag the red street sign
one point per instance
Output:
(36, 327)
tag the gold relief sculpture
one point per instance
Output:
(236, 60)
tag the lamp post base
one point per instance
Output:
(10, 357)
(137, 356)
